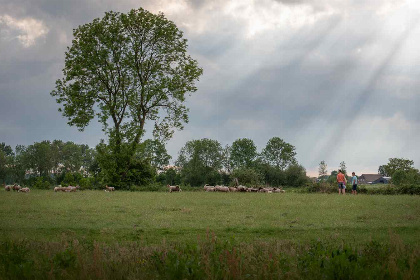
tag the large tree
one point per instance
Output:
(201, 161)
(127, 69)
(279, 153)
(243, 153)
(39, 158)
(397, 164)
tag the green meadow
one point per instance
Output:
(61, 233)
(154, 216)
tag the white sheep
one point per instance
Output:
(208, 188)
(174, 188)
(221, 189)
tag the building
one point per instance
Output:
(373, 179)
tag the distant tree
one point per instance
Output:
(6, 161)
(271, 175)
(333, 177)
(401, 177)
(279, 153)
(243, 152)
(72, 158)
(382, 171)
(17, 166)
(322, 169)
(296, 175)
(3, 166)
(127, 69)
(395, 164)
(226, 161)
(343, 168)
(7, 150)
(154, 151)
(200, 162)
(38, 157)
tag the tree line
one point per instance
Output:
(401, 171)
(199, 162)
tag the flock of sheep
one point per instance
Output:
(17, 188)
(239, 188)
(206, 188)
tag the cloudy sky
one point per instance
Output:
(340, 80)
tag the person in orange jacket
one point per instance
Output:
(341, 180)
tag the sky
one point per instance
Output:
(339, 80)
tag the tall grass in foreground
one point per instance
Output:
(209, 258)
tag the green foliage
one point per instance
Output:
(247, 176)
(212, 258)
(270, 175)
(243, 153)
(3, 166)
(411, 176)
(343, 168)
(296, 176)
(134, 68)
(88, 183)
(155, 152)
(395, 164)
(38, 157)
(200, 161)
(169, 177)
(15, 261)
(322, 187)
(333, 177)
(411, 189)
(279, 153)
(322, 169)
(139, 172)
(43, 183)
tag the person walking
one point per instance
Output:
(341, 180)
(354, 183)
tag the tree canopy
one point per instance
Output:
(243, 152)
(279, 153)
(127, 69)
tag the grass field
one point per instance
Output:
(197, 235)
(152, 217)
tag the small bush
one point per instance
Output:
(42, 183)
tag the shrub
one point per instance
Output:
(247, 176)
(296, 176)
(42, 183)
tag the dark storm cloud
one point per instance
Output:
(305, 79)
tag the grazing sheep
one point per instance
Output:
(221, 189)
(109, 189)
(208, 188)
(265, 190)
(241, 188)
(71, 189)
(275, 190)
(60, 188)
(16, 187)
(174, 188)
(233, 189)
(7, 188)
(252, 190)
(25, 190)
